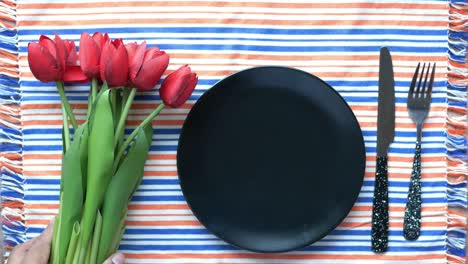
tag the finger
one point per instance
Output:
(18, 252)
(40, 248)
(117, 258)
(48, 233)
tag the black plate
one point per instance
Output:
(271, 159)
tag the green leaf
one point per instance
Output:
(104, 89)
(72, 192)
(100, 160)
(119, 192)
(148, 130)
(84, 157)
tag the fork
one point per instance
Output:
(419, 102)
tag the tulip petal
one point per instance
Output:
(61, 52)
(178, 86)
(151, 53)
(49, 44)
(89, 56)
(42, 64)
(151, 72)
(136, 54)
(187, 90)
(115, 67)
(106, 54)
(74, 74)
(72, 58)
(100, 39)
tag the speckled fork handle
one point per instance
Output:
(412, 222)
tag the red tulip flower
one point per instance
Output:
(90, 53)
(54, 60)
(146, 66)
(114, 63)
(178, 86)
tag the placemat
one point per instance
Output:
(337, 40)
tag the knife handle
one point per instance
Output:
(379, 235)
(412, 222)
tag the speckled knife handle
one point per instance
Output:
(412, 222)
(380, 207)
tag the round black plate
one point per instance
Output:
(271, 159)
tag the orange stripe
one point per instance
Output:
(217, 11)
(403, 6)
(148, 105)
(156, 122)
(403, 125)
(392, 224)
(393, 175)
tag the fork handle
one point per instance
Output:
(379, 235)
(412, 221)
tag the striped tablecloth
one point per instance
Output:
(337, 40)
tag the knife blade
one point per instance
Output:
(385, 136)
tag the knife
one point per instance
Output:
(385, 136)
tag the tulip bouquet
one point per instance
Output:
(101, 167)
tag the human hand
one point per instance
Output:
(37, 250)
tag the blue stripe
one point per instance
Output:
(408, 150)
(337, 49)
(350, 99)
(145, 181)
(27, 148)
(39, 131)
(244, 30)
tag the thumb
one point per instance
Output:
(117, 258)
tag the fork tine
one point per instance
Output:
(418, 91)
(413, 82)
(431, 82)
(424, 88)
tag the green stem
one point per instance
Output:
(96, 237)
(82, 253)
(56, 244)
(53, 248)
(94, 88)
(127, 142)
(119, 132)
(65, 103)
(113, 99)
(88, 253)
(76, 256)
(125, 96)
(92, 96)
(73, 243)
(66, 130)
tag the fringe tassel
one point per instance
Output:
(456, 132)
(12, 192)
